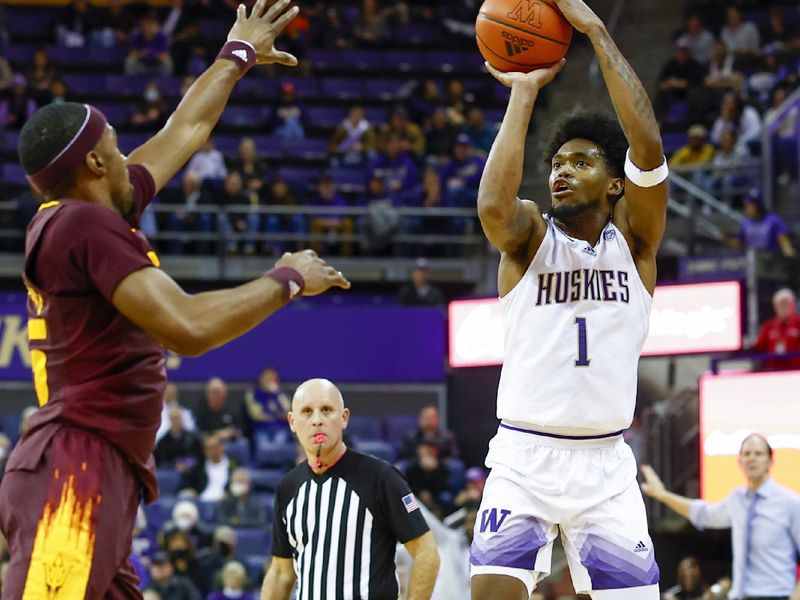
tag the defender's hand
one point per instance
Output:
(536, 79)
(318, 275)
(652, 486)
(262, 26)
(580, 16)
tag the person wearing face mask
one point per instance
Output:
(151, 114)
(238, 508)
(182, 556)
(185, 519)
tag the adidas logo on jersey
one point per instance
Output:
(240, 54)
(640, 547)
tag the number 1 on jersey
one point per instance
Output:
(583, 359)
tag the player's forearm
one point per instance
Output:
(631, 103)
(277, 586)
(502, 174)
(680, 504)
(423, 574)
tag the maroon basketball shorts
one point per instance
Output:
(67, 509)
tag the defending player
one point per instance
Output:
(576, 289)
(100, 313)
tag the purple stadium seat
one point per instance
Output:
(256, 87)
(407, 61)
(365, 427)
(376, 114)
(445, 60)
(269, 146)
(99, 56)
(10, 139)
(278, 456)
(238, 451)
(500, 92)
(130, 141)
(254, 563)
(383, 89)
(267, 502)
(362, 60)
(676, 113)
(227, 144)
(303, 88)
(673, 141)
(343, 89)
(213, 29)
(79, 83)
(19, 54)
(14, 173)
(126, 85)
(299, 175)
(68, 56)
(265, 480)
(243, 116)
(168, 480)
(349, 179)
(326, 116)
(415, 34)
(208, 511)
(169, 86)
(325, 58)
(308, 149)
(493, 115)
(399, 426)
(21, 20)
(377, 448)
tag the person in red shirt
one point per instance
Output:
(101, 312)
(782, 333)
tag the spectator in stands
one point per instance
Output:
(113, 24)
(329, 29)
(481, 135)
(458, 102)
(179, 449)
(784, 140)
(234, 579)
(741, 37)
(699, 39)
(217, 417)
(75, 24)
(288, 119)
(697, 152)
(251, 167)
(781, 334)
(267, 406)
(353, 140)
(768, 72)
(17, 105)
(778, 35)
(727, 176)
(41, 77)
(419, 292)
(152, 111)
(427, 477)
(691, 585)
(425, 100)
(721, 72)
(239, 508)
(398, 167)
(181, 554)
(197, 61)
(168, 585)
(372, 26)
(740, 118)
(215, 557)
(280, 194)
(58, 92)
(6, 76)
(413, 140)
(238, 222)
(208, 478)
(763, 230)
(440, 136)
(473, 488)
(461, 175)
(334, 223)
(429, 430)
(680, 77)
(149, 49)
(208, 162)
(185, 519)
(189, 218)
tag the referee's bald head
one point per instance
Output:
(317, 389)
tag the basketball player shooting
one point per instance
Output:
(576, 289)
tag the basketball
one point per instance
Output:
(521, 35)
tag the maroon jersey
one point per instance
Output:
(92, 367)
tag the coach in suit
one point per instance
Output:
(339, 515)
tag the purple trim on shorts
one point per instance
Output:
(612, 566)
(515, 545)
(563, 437)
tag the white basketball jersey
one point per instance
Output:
(574, 328)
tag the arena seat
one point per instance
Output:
(399, 426)
(383, 89)
(252, 541)
(307, 149)
(378, 449)
(303, 87)
(10, 425)
(343, 89)
(326, 116)
(280, 456)
(365, 427)
(14, 173)
(416, 33)
(244, 116)
(267, 502)
(456, 475)
(238, 450)
(168, 481)
(406, 61)
(265, 479)
(445, 60)
(208, 511)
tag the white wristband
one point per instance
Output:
(645, 179)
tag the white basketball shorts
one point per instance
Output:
(584, 487)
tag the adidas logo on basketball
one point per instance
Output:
(240, 54)
(640, 547)
(515, 44)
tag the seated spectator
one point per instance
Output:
(17, 105)
(458, 102)
(419, 292)
(696, 153)
(397, 165)
(372, 26)
(680, 76)
(208, 162)
(777, 35)
(267, 406)
(215, 557)
(185, 520)
(189, 218)
(721, 72)
(208, 478)
(353, 140)
(113, 24)
(768, 72)
(75, 24)
(41, 77)
(58, 92)
(473, 488)
(727, 162)
(234, 579)
(279, 194)
(740, 37)
(179, 449)
(167, 584)
(333, 224)
(427, 477)
(430, 431)
(425, 101)
(410, 134)
(461, 175)
(763, 230)
(481, 135)
(149, 49)
(181, 554)
(329, 29)
(740, 118)
(691, 585)
(152, 111)
(288, 118)
(781, 334)
(700, 39)
(238, 221)
(238, 508)
(440, 136)
(215, 416)
(250, 166)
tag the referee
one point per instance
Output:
(339, 515)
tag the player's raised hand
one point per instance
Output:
(318, 275)
(580, 16)
(537, 78)
(262, 26)
(652, 485)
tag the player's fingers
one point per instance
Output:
(501, 77)
(338, 279)
(258, 8)
(311, 253)
(284, 19)
(275, 9)
(241, 13)
(284, 58)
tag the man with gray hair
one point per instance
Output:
(781, 334)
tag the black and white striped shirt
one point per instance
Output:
(341, 528)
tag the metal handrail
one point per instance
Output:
(702, 195)
(771, 125)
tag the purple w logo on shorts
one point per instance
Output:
(490, 520)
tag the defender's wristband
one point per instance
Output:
(241, 52)
(292, 282)
(645, 179)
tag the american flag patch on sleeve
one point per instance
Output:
(410, 502)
